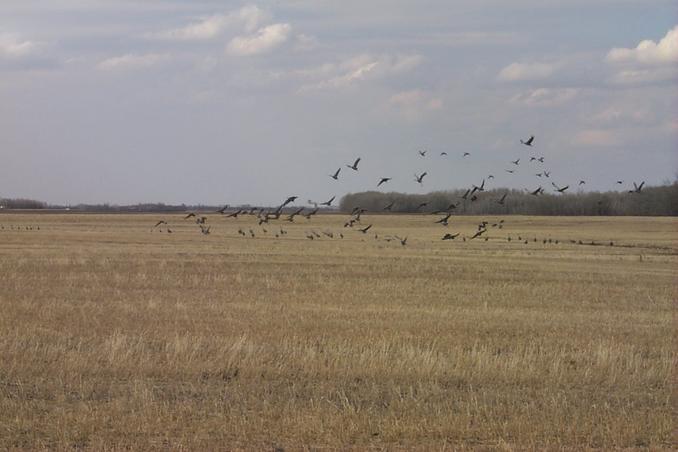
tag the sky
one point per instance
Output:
(213, 102)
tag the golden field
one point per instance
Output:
(116, 337)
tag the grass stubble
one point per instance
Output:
(112, 336)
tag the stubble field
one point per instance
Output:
(113, 336)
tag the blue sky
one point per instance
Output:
(214, 101)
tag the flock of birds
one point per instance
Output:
(286, 213)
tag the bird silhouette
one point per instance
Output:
(538, 191)
(223, 209)
(502, 199)
(443, 153)
(420, 178)
(510, 171)
(529, 141)
(515, 162)
(449, 236)
(423, 153)
(289, 200)
(335, 176)
(190, 214)
(466, 154)
(354, 167)
(383, 180)
(389, 206)
(560, 189)
(328, 202)
(365, 229)
(637, 188)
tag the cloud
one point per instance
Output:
(649, 52)
(358, 69)
(247, 18)
(264, 40)
(619, 115)
(637, 76)
(545, 97)
(415, 99)
(526, 71)
(12, 47)
(596, 137)
(132, 61)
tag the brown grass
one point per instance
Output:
(115, 337)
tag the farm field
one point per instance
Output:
(115, 336)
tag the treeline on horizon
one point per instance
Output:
(651, 201)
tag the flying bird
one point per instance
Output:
(443, 153)
(365, 229)
(515, 162)
(502, 199)
(328, 202)
(389, 206)
(289, 200)
(582, 182)
(190, 214)
(403, 242)
(383, 180)
(420, 178)
(423, 153)
(223, 209)
(449, 236)
(466, 154)
(529, 141)
(510, 171)
(354, 167)
(335, 176)
(560, 189)
(159, 223)
(620, 182)
(637, 188)
(538, 191)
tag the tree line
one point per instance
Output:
(651, 201)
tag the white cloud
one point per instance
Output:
(545, 97)
(132, 61)
(247, 18)
(623, 115)
(416, 99)
(637, 76)
(526, 71)
(264, 40)
(358, 69)
(13, 47)
(649, 52)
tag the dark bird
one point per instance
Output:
(310, 214)
(422, 205)
(481, 187)
(420, 178)
(223, 209)
(328, 202)
(479, 233)
(560, 189)
(423, 153)
(465, 195)
(502, 199)
(354, 167)
(529, 141)
(515, 162)
(383, 180)
(289, 200)
(443, 153)
(620, 182)
(389, 206)
(637, 188)
(490, 176)
(540, 159)
(538, 191)
(450, 236)
(403, 242)
(510, 171)
(190, 214)
(365, 229)
(159, 223)
(234, 214)
(582, 182)
(335, 176)
(539, 174)
(444, 220)
(466, 154)
(547, 173)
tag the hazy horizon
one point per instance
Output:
(212, 102)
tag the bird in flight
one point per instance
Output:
(560, 189)
(443, 153)
(502, 199)
(335, 176)
(354, 167)
(510, 171)
(389, 206)
(365, 229)
(234, 214)
(422, 205)
(529, 141)
(479, 188)
(466, 154)
(403, 242)
(515, 162)
(479, 233)
(637, 188)
(383, 180)
(444, 220)
(423, 153)
(538, 191)
(328, 202)
(420, 178)
(449, 236)
(465, 195)
(223, 209)
(190, 214)
(289, 200)
(620, 182)
(490, 176)
(159, 223)
(582, 182)
(547, 173)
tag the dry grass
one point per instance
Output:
(114, 337)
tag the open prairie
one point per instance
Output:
(113, 336)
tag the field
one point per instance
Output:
(113, 336)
